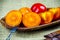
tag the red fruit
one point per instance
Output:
(38, 8)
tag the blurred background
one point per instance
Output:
(6, 5)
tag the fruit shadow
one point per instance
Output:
(27, 34)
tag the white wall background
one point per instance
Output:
(6, 5)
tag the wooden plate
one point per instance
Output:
(22, 28)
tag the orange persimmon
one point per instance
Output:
(56, 12)
(46, 17)
(24, 10)
(13, 18)
(31, 19)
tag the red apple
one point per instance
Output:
(38, 8)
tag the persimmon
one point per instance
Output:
(13, 18)
(31, 19)
(24, 10)
(56, 12)
(46, 17)
(59, 13)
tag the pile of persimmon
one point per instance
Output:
(32, 17)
